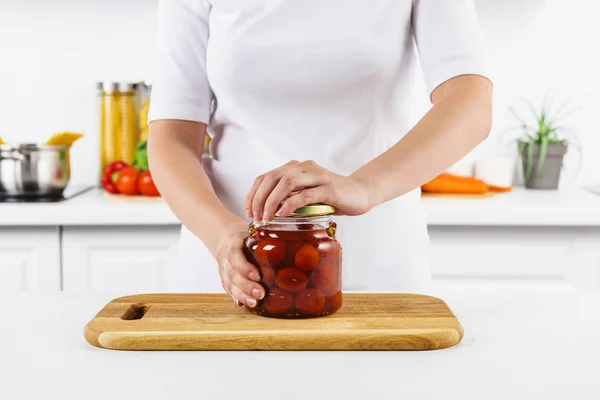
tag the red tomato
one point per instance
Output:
(127, 181)
(307, 257)
(291, 280)
(335, 301)
(269, 252)
(310, 301)
(146, 185)
(324, 277)
(267, 276)
(329, 248)
(278, 302)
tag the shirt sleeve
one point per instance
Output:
(448, 40)
(180, 89)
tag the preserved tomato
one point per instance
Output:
(307, 257)
(324, 277)
(269, 252)
(291, 280)
(310, 301)
(277, 301)
(299, 261)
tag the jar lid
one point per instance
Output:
(115, 86)
(312, 210)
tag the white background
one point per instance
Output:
(53, 51)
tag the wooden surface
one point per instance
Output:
(212, 322)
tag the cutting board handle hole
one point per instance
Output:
(135, 311)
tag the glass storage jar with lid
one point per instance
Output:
(300, 263)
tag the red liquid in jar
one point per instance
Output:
(300, 270)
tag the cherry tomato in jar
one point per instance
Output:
(307, 257)
(267, 276)
(335, 301)
(278, 302)
(310, 301)
(291, 280)
(127, 181)
(324, 276)
(269, 252)
(328, 249)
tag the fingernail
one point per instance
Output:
(278, 213)
(267, 216)
(250, 302)
(257, 294)
(254, 276)
(256, 216)
(248, 214)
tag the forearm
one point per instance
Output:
(175, 149)
(457, 122)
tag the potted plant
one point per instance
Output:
(543, 144)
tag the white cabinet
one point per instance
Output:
(118, 258)
(29, 258)
(538, 255)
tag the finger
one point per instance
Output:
(251, 289)
(250, 213)
(250, 197)
(239, 295)
(287, 185)
(237, 258)
(266, 187)
(309, 196)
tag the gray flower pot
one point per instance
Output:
(550, 175)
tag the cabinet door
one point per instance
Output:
(544, 256)
(29, 258)
(118, 259)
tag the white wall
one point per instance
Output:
(53, 51)
(51, 54)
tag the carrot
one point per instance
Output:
(449, 183)
(499, 189)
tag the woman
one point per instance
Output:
(309, 99)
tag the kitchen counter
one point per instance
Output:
(518, 344)
(519, 208)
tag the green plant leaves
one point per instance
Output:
(542, 156)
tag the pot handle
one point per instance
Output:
(11, 155)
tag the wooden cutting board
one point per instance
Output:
(213, 322)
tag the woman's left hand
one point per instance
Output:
(281, 191)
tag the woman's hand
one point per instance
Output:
(294, 185)
(238, 277)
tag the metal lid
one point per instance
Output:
(113, 86)
(313, 210)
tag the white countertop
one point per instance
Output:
(518, 344)
(519, 208)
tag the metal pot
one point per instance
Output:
(33, 170)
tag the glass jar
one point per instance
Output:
(145, 91)
(118, 122)
(300, 264)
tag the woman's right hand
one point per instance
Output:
(238, 277)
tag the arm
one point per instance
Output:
(179, 111)
(451, 54)
(175, 155)
(460, 119)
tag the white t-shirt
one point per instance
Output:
(322, 80)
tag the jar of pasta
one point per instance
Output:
(119, 130)
(300, 264)
(145, 91)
